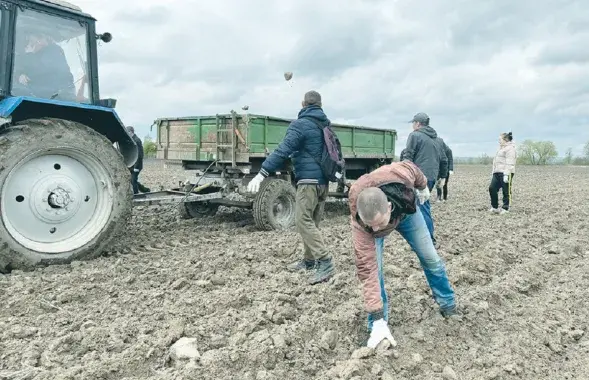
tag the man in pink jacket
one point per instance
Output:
(380, 202)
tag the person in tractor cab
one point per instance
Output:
(304, 141)
(42, 70)
(381, 201)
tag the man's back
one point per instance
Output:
(139, 163)
(304, 143)
(423, 150)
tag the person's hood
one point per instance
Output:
(507, 144)
(316, 113)
(428, 131)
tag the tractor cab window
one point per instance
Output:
(50, 57)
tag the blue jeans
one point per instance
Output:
(427, 213)
(414, 231)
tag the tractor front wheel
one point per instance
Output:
(65, 193)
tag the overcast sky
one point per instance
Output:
(477, 68)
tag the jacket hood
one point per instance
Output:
(507, 143)
(314, 112)
(428, 131)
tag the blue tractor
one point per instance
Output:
(65, 190)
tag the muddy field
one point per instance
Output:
(522, 278)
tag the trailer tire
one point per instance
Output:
(274, 205)
(64, 194)
(191, 210)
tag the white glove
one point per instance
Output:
(254, 184)
(451, 172)
(423, 195)
(506, 178)
(136, 170)
(380, 331)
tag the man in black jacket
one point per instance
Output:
(425, 150)
(43, 70)
(442, 188)
(136, 169)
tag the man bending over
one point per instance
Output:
(380, 202)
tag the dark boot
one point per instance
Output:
(142, 188)
(301, 265)
(324, 270)
(451, 311)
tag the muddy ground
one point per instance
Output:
(523, 279)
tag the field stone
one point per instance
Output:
(449, 374)
(387, 376)
(329, 339)
(218, 341)
(218, 280)
(184, 349)
(279, 341)
(363, 353)
(577, 334)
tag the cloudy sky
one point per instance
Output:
(477, 68)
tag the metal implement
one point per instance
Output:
(226, 152)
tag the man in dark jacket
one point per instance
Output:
(43, 70)
(425, 150)
(442, 188)
(304, 142)
(136, 169)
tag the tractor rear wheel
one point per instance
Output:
(274, 205)
(65, 193)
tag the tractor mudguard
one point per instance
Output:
(102, 119)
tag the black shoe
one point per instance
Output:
(301, 265)
(324, 270)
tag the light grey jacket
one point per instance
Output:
(504, 161)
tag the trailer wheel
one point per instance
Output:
(64, 193)
(190, 210)
(274, 205)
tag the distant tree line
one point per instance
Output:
(532, 152)
(149, 147)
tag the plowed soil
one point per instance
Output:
(522, 278)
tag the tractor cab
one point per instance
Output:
(49, 51)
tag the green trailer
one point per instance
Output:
(226, 152)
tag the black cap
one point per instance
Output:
(421, 118)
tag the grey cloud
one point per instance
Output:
(376, 63)
(157, 15)
(559, 52)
